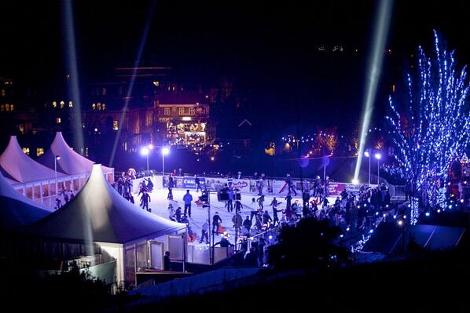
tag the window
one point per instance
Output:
(58, 120)
(181, 111)
(192, 111)
(104, 106)
(103, 91)
(54, 104)
(12, 107)
(62, 103)
(21, 128)
(70, 104)
(115, 125)
(26, 150)
(166, 111)
(3, 93)
(93, 106)
(148, 119)
(2, 108)
(39, 151)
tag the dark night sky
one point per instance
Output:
(269, 49)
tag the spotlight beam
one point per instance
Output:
(382, 25)
(143, 41)
(74, 88)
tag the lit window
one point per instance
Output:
(2, 107)
(192, 111)
(115, 125)
(104, 106)
(4, 93)
(93, 106)
(62, 103)
(167, 111)
(58, 120)
(39, 151)
(26, 150)
(54, 104)
(181, 111)
(98, 106)
(70, 104)
(156, 83)
(12, 107)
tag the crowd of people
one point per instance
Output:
(63, 197)
(351, 211)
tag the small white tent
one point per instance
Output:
(22, 168)
(70, 162)
(15, 209)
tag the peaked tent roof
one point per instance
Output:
(21, 167)
(100, 214)
(15, 209)
(70, 162)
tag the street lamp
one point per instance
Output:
(378, 156)
(165, 151)
(56, 158)
(367, 155)
(145, 152)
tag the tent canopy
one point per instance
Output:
(22, 168)
(70, 162)
(99, 214)
(15, 209)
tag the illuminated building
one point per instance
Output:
(183, 121)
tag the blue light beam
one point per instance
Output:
(143, 41)
(382, 25)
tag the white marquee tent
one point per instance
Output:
(99, 214)
(70, 162)
(15, 209)
(17, 165)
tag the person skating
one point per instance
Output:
(144, 201)
(188, 198)
(260, 201)
(247, 225)
(238, 206)
(216, 221)
(205, 232)
(274, 204)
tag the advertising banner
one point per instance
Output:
(254, 187)
(190, 182)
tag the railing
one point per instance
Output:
(196, 284)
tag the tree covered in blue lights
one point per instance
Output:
(431, 123)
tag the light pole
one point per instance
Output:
(165, 151)
(56, 158)
(378, 156)
(367, 155)
(145, 152)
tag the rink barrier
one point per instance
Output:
(254, 186)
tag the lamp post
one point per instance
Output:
(378, 156)
(56, 158)
(367, 155)
(165, 151)
(145, 152)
